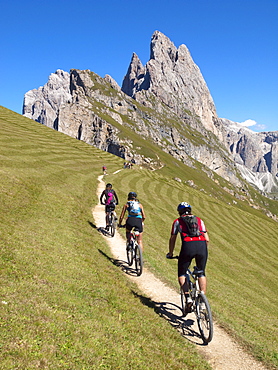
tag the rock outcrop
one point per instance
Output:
(166, 101)
(255, 153)
(43, 104)
(173, 77)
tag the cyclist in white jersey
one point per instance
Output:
(136, 216)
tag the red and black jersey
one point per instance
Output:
(179, 226)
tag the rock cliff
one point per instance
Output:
(173, 77)
(166, 101)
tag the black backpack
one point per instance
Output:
(192, 225)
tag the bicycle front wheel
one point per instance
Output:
(204, 318)
(138, 260)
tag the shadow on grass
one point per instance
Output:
(120, 263)
(92, 225)
(100, 229)
(173, 314)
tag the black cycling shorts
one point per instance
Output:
(110, 207)
(134, 222)
(189, 250)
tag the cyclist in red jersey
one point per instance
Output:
(192, 247)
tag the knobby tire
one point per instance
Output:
(183, 303)
(129, 254)
(138, 260)
(204, 318)
(111, 226)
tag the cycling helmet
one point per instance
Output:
(108, 185)
(131, 195)
(184, 207)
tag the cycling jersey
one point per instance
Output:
(179, 226)
(110, 197)
(192, 247)
(134, 209)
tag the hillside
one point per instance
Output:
(60, 309)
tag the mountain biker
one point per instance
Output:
(110, 202)
(192, 247)
(136, 216)
(104, 169)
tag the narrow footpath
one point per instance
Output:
(222, 353)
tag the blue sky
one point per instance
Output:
(234, 43)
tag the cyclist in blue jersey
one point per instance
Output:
(136, 216)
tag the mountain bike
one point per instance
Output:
(200, 305)
(134, 252)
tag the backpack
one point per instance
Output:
(110, 199)
(134, 208)
(192, 226)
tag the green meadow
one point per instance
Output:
(65, 305)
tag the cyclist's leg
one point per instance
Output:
(201, 260)
(128, 228)
(139, 227)
(183, 264)
(140, 241)
(107, 215)
(127, 234)
(187, 253)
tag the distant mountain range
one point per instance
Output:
(166, 101)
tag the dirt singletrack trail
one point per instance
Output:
(222, 353)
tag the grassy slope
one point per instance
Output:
(64, 304)
(48, 186)
(243, 250)
(242, 256)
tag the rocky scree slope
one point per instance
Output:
(166, 101)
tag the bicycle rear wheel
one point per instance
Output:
(204, 318)
(111, 225)
(138, 260)
(130, 253)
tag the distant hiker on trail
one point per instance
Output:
(104, 169)
(194, 238)
(110, 199)
(136, 216)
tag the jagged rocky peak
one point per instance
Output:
(43, 103)
(173, 77)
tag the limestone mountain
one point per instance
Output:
(168, 102)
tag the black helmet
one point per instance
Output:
(108, 185)
(184, 207)
(131, 195)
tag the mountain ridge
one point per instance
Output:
(168, 101)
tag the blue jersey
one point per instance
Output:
(134, 209)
